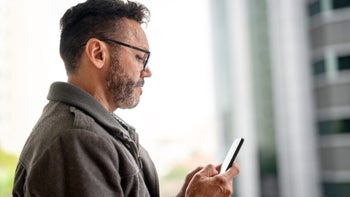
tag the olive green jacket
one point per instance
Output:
(77, 148)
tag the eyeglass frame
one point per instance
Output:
(132, 47)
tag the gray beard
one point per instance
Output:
(121, 86)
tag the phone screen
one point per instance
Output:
(231, 154)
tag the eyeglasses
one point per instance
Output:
(148, 53)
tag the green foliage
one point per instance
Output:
(176, 173)
(171, 182)
(7, 171)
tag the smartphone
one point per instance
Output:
(231, 154)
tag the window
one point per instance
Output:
(341, 63)
(314, 8)
(344, 62)
(319, 67)
(328, 127)
(336, 189)
(338, 4)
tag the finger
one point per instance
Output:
(232, 171)
(187, 181)
(209, 170)
(192, 173)
(218, 167)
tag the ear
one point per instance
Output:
(97, 51)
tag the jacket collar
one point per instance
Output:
(77, 97)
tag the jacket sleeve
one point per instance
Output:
(80, 163)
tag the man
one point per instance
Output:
(79, 147)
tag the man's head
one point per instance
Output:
(104, 50)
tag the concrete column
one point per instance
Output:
(242, 102)
(294, 113)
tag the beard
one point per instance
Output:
(121, 86)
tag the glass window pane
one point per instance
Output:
(344, 62)
(327, 127)
(336, 189)
(314, 8)
(319, 67)
(337, 4)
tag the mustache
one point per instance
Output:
(140, 83)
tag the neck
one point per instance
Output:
(95, 90)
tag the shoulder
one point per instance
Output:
(62, 127)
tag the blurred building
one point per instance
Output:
(330, 59)
(283, 83)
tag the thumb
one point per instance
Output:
(232, 171)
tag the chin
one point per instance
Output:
(131, 103)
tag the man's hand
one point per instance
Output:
(187, 181)
(206, 181)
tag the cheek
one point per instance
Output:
(131, 67)
(133, 74)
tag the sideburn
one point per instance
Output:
(120, 86)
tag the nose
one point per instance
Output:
(146, 73)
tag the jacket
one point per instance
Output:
(78, 148)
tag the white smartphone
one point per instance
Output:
(231, 154)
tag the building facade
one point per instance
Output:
(329, 29)
(283, 82)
